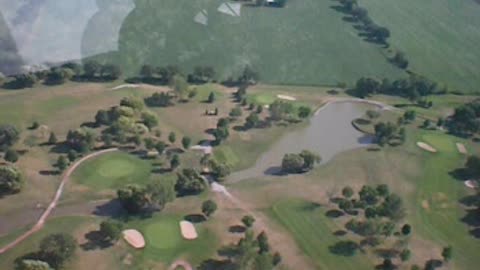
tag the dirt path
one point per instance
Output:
(41, 221)
(180, 263)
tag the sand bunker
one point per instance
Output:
(134, 238)
(425, 205)
(426, 147)
(285, 97)
(201, 17)
(126, 86)
(206, 149)
(188, 230)
(471, 184)
(462, 149)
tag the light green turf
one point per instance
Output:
(113, 170)
(319, 48)
(314, 234)
(441, 221)
(439, 37)
(165, 243)
(261, 99)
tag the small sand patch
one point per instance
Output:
(285, 97)
(126, 86)
(188, 230)
(461, 148)
(425, 205)
(134, 238)
(471, 184)
(426, 147)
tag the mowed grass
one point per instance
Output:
(113, 170)
(439, 37)
(164, 241)
(438, 213)
(313, 232)
(268, 39)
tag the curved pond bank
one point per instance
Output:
(330, 132)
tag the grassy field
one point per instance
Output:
(268, 39)
(440, 38)
(113, 170)
(313, 232)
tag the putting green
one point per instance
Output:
(164, 234)
(441, 142)
(113, 170)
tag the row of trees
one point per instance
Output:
(414, 88)
(389, 133)
(375, 32)
(465, 120)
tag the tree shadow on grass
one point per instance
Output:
(49, 172)
(60, 148)
(334, 213)
(195, 218)
(95, 240)
(460, 174)
(212, 264)
(112, 209)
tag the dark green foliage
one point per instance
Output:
(111, 230)
(133, 198)
(159, 100)
(277, 258)
(406, 229)
(252, 121)
(405, 255)
(102, 118)
(219, 170)
(392, 207)
(175, 162)
(347, 192)
(248, 221)
(21, 81)
(9, 135)
(298, 163)
(309, 159)
(280, 110)
(235, 112)
(62, 163)
(387, 264)
(72, 155)
(10, 180)
(186, 142)
(372, 114)
(400, 60)
(202, 74)
(189, 182)
(344, 248)
(11, 156)
(149, 143)
(81, 140)
(211, 97)
(369, 195)
(249, 76)
(370, 212)
(160, 147)
(149, 119)
(473, 166)
(263, 244)
(447, 253)
(410, 116)
(32, 264)
(132, 102)
(52, 139)
(172, 137)
(386, 133)
(304, 111)
(383, 190)
(209, 207)
(57, 249)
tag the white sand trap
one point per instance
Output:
(426, 147)
(134, 238)
(462, 149)
(206, 149)
(188, 230)
(201, 17)
(126, 86)
(471, 184)
(232, 9)
(285, 97)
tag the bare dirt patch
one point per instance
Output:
(461, 147)
(425, 205)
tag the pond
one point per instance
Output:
(330, 132)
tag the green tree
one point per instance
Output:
(309, 159)
(292, 163)
(9, 135)
(174, 162)
(344, 248)
(133, 198)
(406, 229)
(10, 180)
(56, 249)
(132, 102)
(211, 97)
(248, 221)
(347, 192)
(189, 182)
(263, 244)
(62, 163)
(149, 143)
(251, 121)
(235, 112)
(149, 119)
(111, 230)
(91, 69)
(277, 259)
(172, 137)
(209, 207)
(186, 142)
(405, 255)
(71, 155)
(304, 111)
(371, 114)
(52, 139)
(447, 253)
(160, 147)
(179, 86)
(11, 155)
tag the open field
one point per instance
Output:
(439, 37)
(113, 170)
(265, 38)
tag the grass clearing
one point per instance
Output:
(113, 170)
